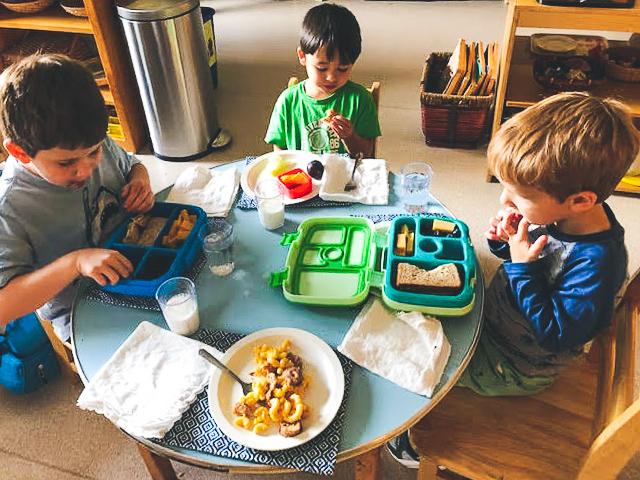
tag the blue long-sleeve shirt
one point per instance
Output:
(540, 313)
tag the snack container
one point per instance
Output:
(336, 260)
(156, 263)
(298, 189)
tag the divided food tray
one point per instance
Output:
(335, 261)
(156, 263)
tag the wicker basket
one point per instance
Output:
(450, 120)
(619, 72)
(74, 7)
(30, 6)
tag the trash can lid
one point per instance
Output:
(153, 10)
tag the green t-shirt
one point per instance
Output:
(296, 119)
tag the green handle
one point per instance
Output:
(289, 238)
(276, 279)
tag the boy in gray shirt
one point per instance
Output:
(64, 187)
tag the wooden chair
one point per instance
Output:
(582, 427)
(63, 351)
(374, 89)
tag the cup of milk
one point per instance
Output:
(270, 200)
(179, 305)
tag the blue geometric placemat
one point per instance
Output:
(196, 430)
(96, 294)
(387, 217)
(245, 202)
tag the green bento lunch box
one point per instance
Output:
(336, 260)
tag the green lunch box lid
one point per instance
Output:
(335, 260)
(330, 261)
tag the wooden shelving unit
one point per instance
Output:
(516, 86)
(121, 91)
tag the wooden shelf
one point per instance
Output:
(523, 91)
(107, 95)
(53, 19)
(532, 14)
(102, 23)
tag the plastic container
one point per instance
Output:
(336, 260)
(296, 189)
(156, 263)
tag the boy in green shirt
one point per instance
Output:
(327, 113)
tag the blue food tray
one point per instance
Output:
(155, 264)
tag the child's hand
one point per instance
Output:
(104, 266)
(339, 124)
(503, 225)
(137, 196)
(523, 251)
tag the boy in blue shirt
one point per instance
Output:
(565, 258)
(326, 113)
(65, 185)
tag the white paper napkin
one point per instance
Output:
(407, 348)
(149, 382)
(212, 190)
(371, 177)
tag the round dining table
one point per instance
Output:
(376, 409)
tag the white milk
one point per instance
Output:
(181, 314)
(271, 213)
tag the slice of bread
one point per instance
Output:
(444, 279)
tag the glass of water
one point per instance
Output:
(415, 180)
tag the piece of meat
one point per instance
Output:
(290, 429)
(273, 383)
(241, 409)
(294, 375)
(296, 360)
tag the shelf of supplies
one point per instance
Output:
(107, 95)
(53, 19)
(523, 91)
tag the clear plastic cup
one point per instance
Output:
(179, 305)
(217, 243)
(415, 181)
(270, 200)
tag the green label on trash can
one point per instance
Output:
(210, 42)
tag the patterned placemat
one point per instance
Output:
(95, 294)
(196, 430)
(245, 202)
(387, 217)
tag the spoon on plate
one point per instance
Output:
(246, 387)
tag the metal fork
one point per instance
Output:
(246, 387)
(351, 184)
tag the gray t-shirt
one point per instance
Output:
(41, 222)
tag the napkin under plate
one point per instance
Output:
(213, 190)
(371, 178)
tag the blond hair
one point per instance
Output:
(567, 143)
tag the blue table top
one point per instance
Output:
(377, 409)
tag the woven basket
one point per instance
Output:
(619, 72)
(450, 120)
(74, 7)
(31, 6)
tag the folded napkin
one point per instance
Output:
(407, 348)
(212, 190)
(149, 382)
(371, 178)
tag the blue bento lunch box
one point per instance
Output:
(336, 260)
(156, 263)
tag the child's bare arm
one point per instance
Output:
(137, 194)
(25, 293)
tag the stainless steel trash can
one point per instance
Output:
(170, 59)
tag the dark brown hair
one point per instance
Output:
(50, 101)
(565, 144)
(334, 27)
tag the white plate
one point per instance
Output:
(256, 171)
(324, 394)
